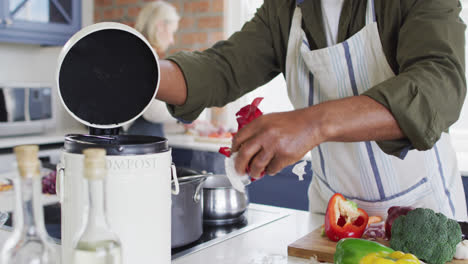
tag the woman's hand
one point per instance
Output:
(274, 141)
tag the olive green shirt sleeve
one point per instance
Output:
(229, 69)
(427, 95)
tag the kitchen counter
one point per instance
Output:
(39, 139)
(266, 244)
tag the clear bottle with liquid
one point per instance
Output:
(29, 242)
(97, 244)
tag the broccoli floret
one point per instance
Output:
(430, 236)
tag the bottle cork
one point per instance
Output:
(27, 159)
(95, 167)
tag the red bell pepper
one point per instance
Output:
(344, 219)
(248, 113)
(244, 116)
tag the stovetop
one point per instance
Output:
(212, 234)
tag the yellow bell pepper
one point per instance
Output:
(396, 257)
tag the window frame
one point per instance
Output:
(38, 32)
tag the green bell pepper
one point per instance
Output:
(352, 250)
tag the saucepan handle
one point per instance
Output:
(59, 181)
(197, 196)
(175, 191)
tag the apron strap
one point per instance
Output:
(370, 12)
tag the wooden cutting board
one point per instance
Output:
(313, 244)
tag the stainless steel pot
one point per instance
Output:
(187, 209)
(222, 204)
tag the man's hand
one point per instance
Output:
(274, 141)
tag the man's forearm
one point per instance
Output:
(357, 118)
(172, 86)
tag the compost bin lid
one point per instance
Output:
(108, 74)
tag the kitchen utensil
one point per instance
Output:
(107, 76)
(315, 245)
(187, 208)
(222, 204)
(192, 177)
(26, 108)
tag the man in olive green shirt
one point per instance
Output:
(423, 42)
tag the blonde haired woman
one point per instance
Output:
(157, 21)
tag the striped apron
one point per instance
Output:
(361, 171)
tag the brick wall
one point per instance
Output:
(201, 23)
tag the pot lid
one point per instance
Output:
(107, 75)
(116, 145)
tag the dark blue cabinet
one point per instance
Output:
(44, 22)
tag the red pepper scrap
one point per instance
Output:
(226, 151)
(344, 219)
(248, 113)
(244, 116)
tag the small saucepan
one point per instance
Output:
(222, 204)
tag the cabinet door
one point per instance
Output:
(49, 22)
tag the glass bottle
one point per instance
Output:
(97, 244)
(29, 243)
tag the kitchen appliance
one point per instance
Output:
(25, 108)
(254, 217)
(107, 76)
(222, 204)
(206, 197)
(187, 208)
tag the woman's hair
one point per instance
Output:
(150, 15)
